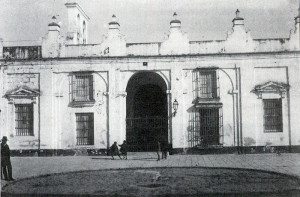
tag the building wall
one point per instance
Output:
(54, 117)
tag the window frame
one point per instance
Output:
(277, 117)
(19, 130)
(205, 84)
(90, 138)
(201, 138)
(89, 93)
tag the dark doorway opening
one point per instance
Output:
(147, 112)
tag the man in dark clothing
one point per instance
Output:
(114, 150)
(5, 160)
(124, 149)
(164, 149)
(158, 150)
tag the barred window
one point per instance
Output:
(205, 84)
(24, 119)
(85, 128)
(82, 87)
(272, 115)
(206, 127)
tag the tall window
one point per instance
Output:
(24, 119)
(205, 84)
(206, 127)
(85, 128)
(272, 115)
(82, 87)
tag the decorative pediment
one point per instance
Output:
(271, 88)
(23, 92)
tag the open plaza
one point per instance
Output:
(221, 174)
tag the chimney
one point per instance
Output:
(237, 20)
(114, 44)
(50, 43)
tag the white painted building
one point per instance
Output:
(68, 94)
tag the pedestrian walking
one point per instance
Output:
(164, 149)
(124, 149)
(114, 150)
(158, 150)
(6, 167)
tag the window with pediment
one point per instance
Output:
(24, 100)
(272, 95)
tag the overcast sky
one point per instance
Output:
(148, 20)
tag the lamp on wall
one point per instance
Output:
(175, 107)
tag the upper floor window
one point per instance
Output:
(272, 115)
(24, 119)
(82, 87)
(205, 84)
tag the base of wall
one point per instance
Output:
(238, 150)
(104, 152)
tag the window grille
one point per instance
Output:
(23, 52)
(206, 127)
(85, 129)
(272, 115)
(82, 87)
(24, 119)
(205, 84)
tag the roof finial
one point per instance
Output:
(114, 23)
(237, 13)
(175, 15)
(114, 18)
(53, 22)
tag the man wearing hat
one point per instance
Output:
(5, 160)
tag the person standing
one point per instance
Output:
(158, 150)
(5, 160)
(164, 149)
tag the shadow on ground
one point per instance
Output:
(174, 181)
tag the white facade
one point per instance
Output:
(246, 72)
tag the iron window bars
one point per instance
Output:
(85, 129)
(24, 119)
(272, 115)
(82, 87)
(205, 84)
(206, 128)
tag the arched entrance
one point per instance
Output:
(146, 111)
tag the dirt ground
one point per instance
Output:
(158, 182)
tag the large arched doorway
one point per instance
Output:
(146, 111)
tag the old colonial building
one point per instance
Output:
(68, 94)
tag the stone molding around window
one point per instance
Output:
(270, 88)
(22, 93)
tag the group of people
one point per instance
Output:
(114, 150)
(6, 169)
(162, 148)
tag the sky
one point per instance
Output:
(148, 20)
